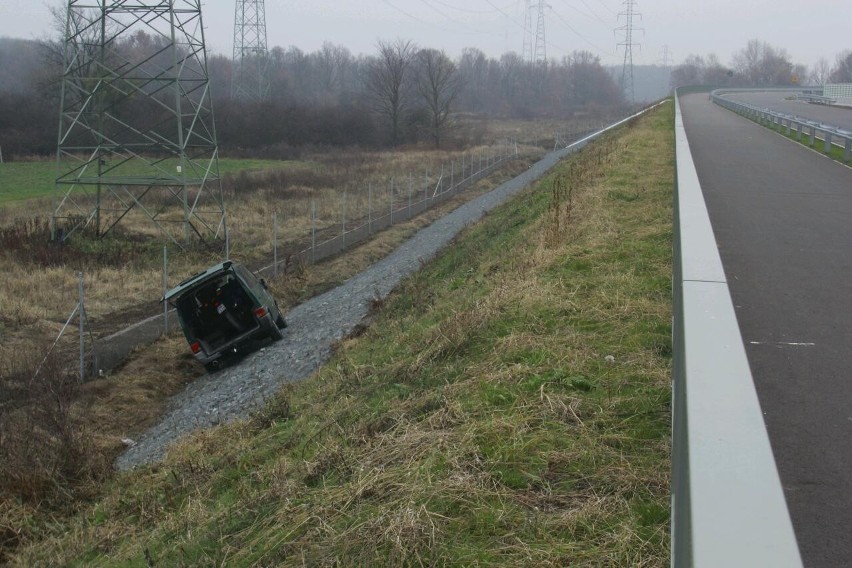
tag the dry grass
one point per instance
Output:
(477, 422)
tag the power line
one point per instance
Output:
(578, 34)
(467, 10)
(464, 24)
(401, 11)
(592, 16)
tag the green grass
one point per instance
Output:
(508, 406)
(33, 179)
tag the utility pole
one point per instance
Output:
(628, 13)
(250, 80)
(115, 161)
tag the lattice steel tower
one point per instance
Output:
(250, 80)
(535, 44)
(137, 142)
(628, 13)
(527, 54)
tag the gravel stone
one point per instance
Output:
(313, 327)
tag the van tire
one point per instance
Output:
(275, 333)
(280, 322)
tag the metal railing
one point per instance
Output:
(728, 507)
(828, 134)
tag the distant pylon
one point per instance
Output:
(251, 56)
(137, 141)
(527, 54)
(666, 59)
(540, 52)
(535, 43)
(628, 13)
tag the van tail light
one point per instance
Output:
(260, 312)
(196, 347)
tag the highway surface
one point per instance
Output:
(834, 115)
(782, 215)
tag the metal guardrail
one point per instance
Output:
(819, 99)
(779, 120)
(728, 507)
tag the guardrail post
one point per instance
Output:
(847, 149)
(827, 145)
(813, 136)
(799, 130)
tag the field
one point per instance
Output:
(509, 405)
(35, 178)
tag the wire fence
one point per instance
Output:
(333, 228)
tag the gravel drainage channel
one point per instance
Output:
(314, 326)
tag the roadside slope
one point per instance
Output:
(508, 405)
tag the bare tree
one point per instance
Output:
(842, 71)
(761, 64)
(387, 83)
(820, 73)
(438, 84)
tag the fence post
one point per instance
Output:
(391, 201)
(82, 316)
(370, 209)
(165, 290)
(409, 195)
(275, 245)
(313, 230)
(425, 189)
(452, 174)
(227, 243)
(344, 218)
(442, 178)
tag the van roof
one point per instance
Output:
(197, 279)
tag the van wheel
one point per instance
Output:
(275, 333)
(212, 367)
(280, 322)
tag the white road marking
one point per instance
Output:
(782, 343)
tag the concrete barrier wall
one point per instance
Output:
(728, 507)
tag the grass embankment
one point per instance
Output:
(509, 405)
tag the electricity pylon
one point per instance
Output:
(535, 44)
(137, 141)
(540, 52)
(527, 54)
(250, 79)
(628, 13)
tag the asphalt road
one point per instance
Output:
(781, 215)
(833, 115)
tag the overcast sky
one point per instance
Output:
(807, 29)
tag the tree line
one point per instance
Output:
(402, 94)
(760, 64)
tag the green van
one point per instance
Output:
(222, 309)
